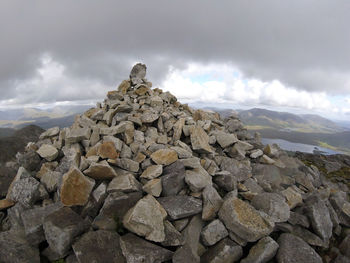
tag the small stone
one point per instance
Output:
(146, 219)
(294, 249)
(152, 172)
(213, 233)
(272, 204)
(138, 72)
(125, 183)
(138, 250)
(181, 206)
(107, 150)
(164, 156)
(77, 135)
(256, 153)
(99, 246)
(76, 188)
(197, 179)
(100, 171)
(243, 220)
(200, 140)
(212, 202)
(51, 180)
(293, 197)
(61, 227)
(262, 252)
(153, 187)
(224, 251)
(48, 152)
(100, 193)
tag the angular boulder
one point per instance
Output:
(181, 206)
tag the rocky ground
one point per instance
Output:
(143, 178)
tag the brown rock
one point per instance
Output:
(5, 203)
(100, 171)
(107, 150)
(164, 156)
(124, 86)
(76, 188)
(200, 140)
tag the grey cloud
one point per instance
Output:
(304, 44)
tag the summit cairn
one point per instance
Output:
(144, 178)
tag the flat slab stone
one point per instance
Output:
(100, 171)
(48, 152)
(164, 156)
(99, 246)
(244, 220)
(180, 206)
(138, 250)
(294, 249)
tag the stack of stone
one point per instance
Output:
(144, 178)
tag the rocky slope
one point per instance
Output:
(144, 178)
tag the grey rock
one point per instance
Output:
(213, 233)
(298, 219)
(138, 72)
(256, 154)
(181, 224)
(226, 139)
(128, 164)
(272, 204)
(149, 117)
(294, 249)
(153, 187)
(54, 131)
(48, 152)
(182, 153)
(172, 236)
(61, 227)
(125, 183)
(262, 252)
(239, 169)
(173, 179)
(114, 208)
(342, 208)
(100, 193)
(341, 259)
(77, 135)
(318, 213)
(344, 246)
(138, 250)
(146, 219)
(212, 202)
(25, 191)
(189, 251)
(243, 220)
(224, 251)
(51, 180)
(30, 160)
(180, 206)
(309, 237)
(16, 249)
(33, 220)
(99, 246)
(200, 140)
(152, 172)
(226, 181)
(197, 179)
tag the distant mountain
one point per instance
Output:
(258, 119)
(5, 132)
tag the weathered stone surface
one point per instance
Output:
(33, 220)
(75, 188)
(182, 153)
(124, 86)
(200, 140)
(153, 187)
(138, 250)
(298, 219)
(99, 246)
(173, 179)
(100, 171)
(125, 183)
(197, 179)
(77, 135)
(341, 207)
(152, 172)
(51, 180)
(319, 216)
(178, 129)
(164, 156)
(241, 170)
(272, 204)
(189, 251)
(181, 206)
(48, 152)
(294, 249)
(24, 191)
(224, 251)
(107, 150)
(267, 160)
(226, 181)
(212, 202)
(149, 117)
(114, 208)
(16, 249)
(128, 164)
(61, 227)
(226, 139)
(309, 237)
(213, 233)
(243, 220)
(262, 252)
(293, 197)
(146, 219)
(344, 246)
(172, 236)
(54, 131)
(256, 154)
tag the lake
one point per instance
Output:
(301, 147)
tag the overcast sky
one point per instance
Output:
(292, 55)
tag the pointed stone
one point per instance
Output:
(212, 203)
(153, 187)
(100, 171)
(125, 183)
(200, 140)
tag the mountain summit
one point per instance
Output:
(144, 178)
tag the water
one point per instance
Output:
(301, 147)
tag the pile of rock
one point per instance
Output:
(144, 178)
